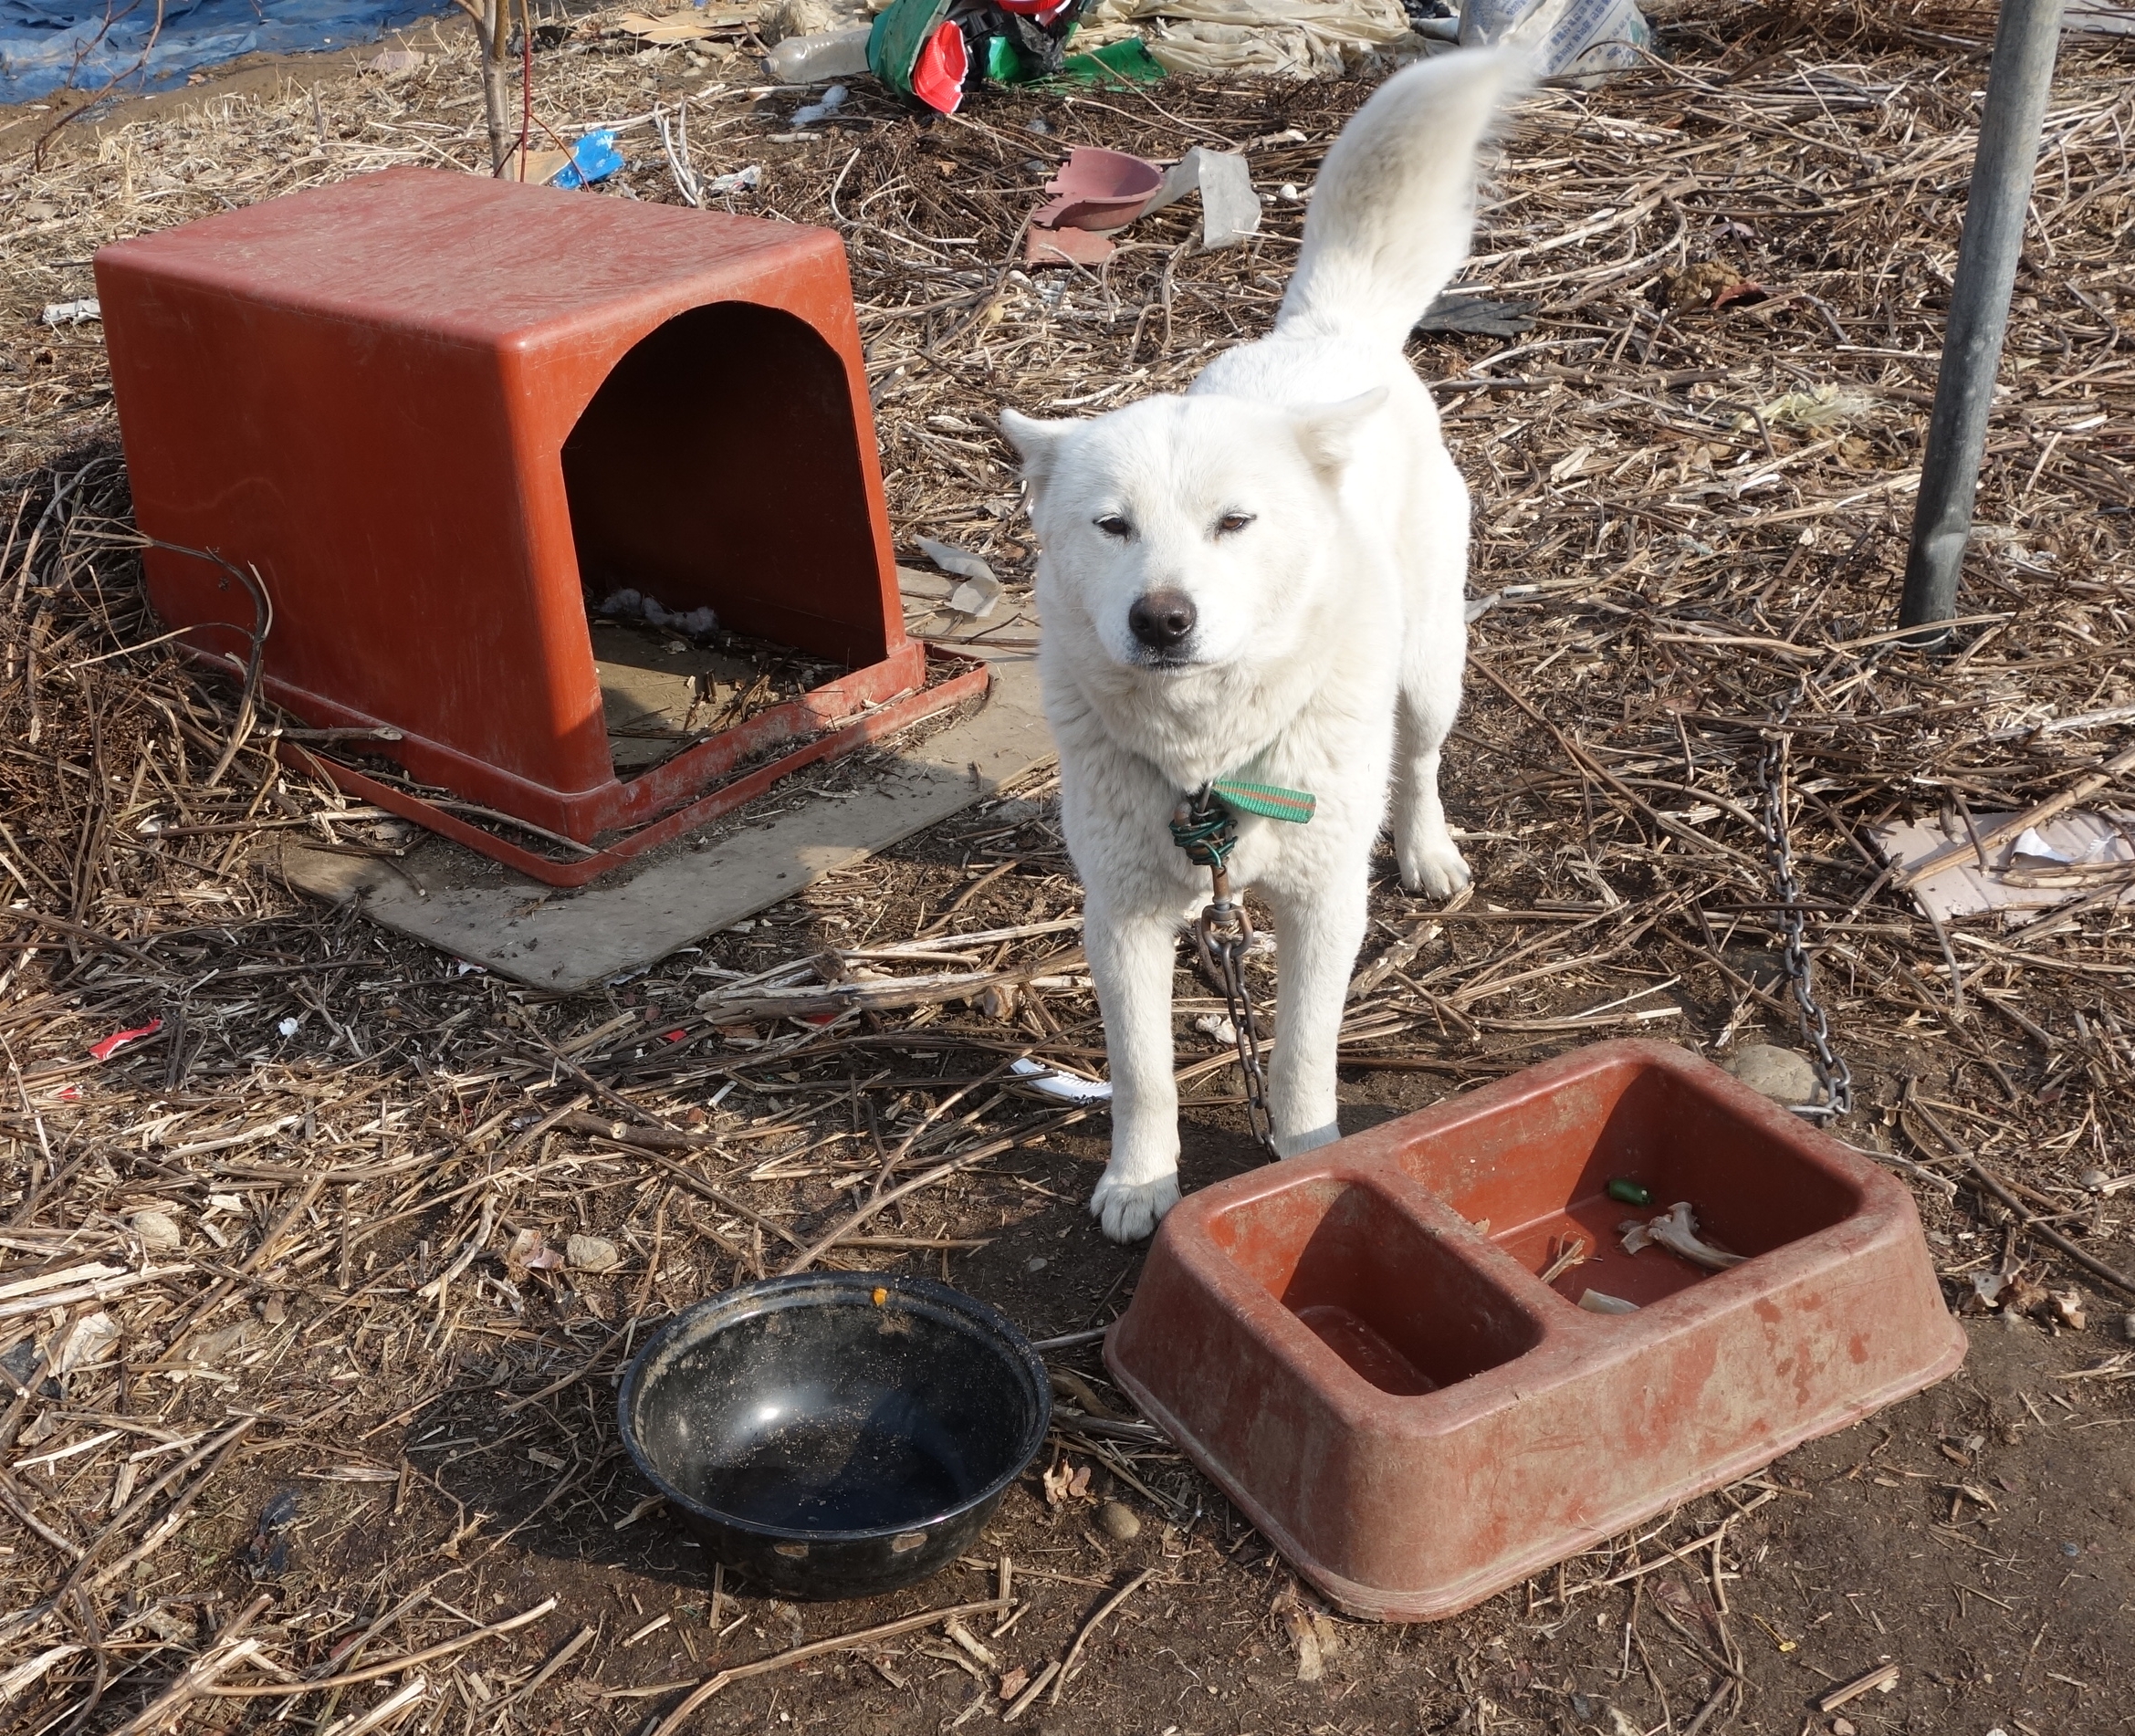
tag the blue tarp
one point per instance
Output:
(45, 44)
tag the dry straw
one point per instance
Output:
(317, 1193)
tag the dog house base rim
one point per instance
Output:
(870, 727)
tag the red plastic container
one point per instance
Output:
(420, 406)
(1358, 1346)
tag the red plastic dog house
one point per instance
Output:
(426, 409)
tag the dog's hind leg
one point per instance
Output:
(1430, 861)
(1131, 958)
(1319, 933)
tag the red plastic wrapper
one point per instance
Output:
(118, 1039)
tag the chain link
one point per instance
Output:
(1832, 1072)
(1206, 829)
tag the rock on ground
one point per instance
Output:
(1784, 1075)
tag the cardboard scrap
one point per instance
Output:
(2046, 865)
(542, 166)
(592, 158)
(690, 25)
(974, 598)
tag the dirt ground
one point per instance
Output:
(337, 1433)
(1978, 1535)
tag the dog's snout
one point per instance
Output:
(1162, 619)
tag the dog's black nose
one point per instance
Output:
(1162, 619)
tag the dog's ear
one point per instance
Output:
(1327, 435)
(1039, 442)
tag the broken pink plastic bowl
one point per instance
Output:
(1357, 1347)
(1099, 190)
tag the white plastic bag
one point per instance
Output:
(1278, 38)
(1583, 39)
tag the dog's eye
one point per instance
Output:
(1112, 525)
(1230, 523)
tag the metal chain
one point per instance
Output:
(1832, 1073)
(1223, 936)
(1206, 829)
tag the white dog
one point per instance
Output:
(1265, 579)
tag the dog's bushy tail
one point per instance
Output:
(1395, 207)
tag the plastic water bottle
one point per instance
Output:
(835, 54)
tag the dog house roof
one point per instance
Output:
(469, 257)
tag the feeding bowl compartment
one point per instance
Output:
(835, 1435)
(435, 414)
(1359, 1345)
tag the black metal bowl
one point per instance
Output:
(835, 1433)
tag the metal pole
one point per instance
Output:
(2026, 35)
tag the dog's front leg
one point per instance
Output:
(1131, 956)
(1319, 933)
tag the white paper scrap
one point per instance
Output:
(1064, 1086)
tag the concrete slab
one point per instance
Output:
(571, 939)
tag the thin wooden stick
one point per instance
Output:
(2015, 825)
(992, 1148)
(389, 1667)
(564, 1654)
(1882, 1676)
(1111, 1603)
(195, 1682)
(227, 1652)
(864, 1636)
(2033, 1226)
(1691, 1548)
(221, 1444)
(1028, 1697)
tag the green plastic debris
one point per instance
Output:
(900, 32)
(1005, 63)
(1628, 1192)
(1126, 61)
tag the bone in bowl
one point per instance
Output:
(835, 1433)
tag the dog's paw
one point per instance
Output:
(1437, 871)
(1127, 1210)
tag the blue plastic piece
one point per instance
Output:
(592, 158)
